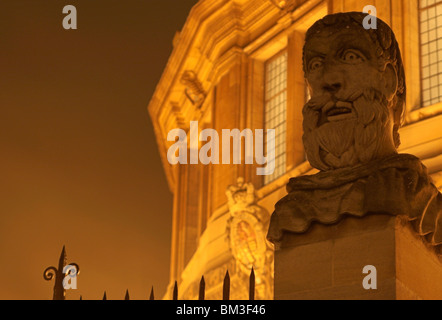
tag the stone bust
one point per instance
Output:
(357, 85)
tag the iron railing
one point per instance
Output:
(60, 292)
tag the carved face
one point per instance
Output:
(240, 182)
(349, 117)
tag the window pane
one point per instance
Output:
(431, 50)
(276, 110)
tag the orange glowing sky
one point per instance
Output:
(79, 164)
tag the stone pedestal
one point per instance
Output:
(327, 261)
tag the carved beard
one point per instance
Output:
(358, 139)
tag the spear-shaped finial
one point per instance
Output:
(59, 292)
(50, 272)
(202, 289)
(226, 286)
(252, 285)
(152, 297)
(126, 297)
(175, 291)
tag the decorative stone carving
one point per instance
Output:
(287, 5)
(357, 86)
(246, 230)
(177, 113)
(194, 89)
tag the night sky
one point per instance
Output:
(79, 165)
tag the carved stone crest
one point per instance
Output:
(246, 230)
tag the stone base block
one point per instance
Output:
(327, 262)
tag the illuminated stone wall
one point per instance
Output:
(225, 45)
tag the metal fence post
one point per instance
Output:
(175, 291)
(50, 272)
(202, 292)
(252, 285)
(226, 286)
(152, 297)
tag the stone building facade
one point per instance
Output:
(238, 64)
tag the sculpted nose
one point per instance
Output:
(332, 87)
(333, 80)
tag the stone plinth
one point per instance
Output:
(326, 262)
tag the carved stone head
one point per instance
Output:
(357, 85)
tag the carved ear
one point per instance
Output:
(390, 82)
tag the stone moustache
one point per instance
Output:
(357, 85)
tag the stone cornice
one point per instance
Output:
(215, 31)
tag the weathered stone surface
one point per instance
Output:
(418, 269)
(359, 209)
(357, 85)
(396, 185)
(327, 262)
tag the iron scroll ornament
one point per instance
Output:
(49, 273)
(60, 273)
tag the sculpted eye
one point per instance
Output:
(314, 64)
(352, 56)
